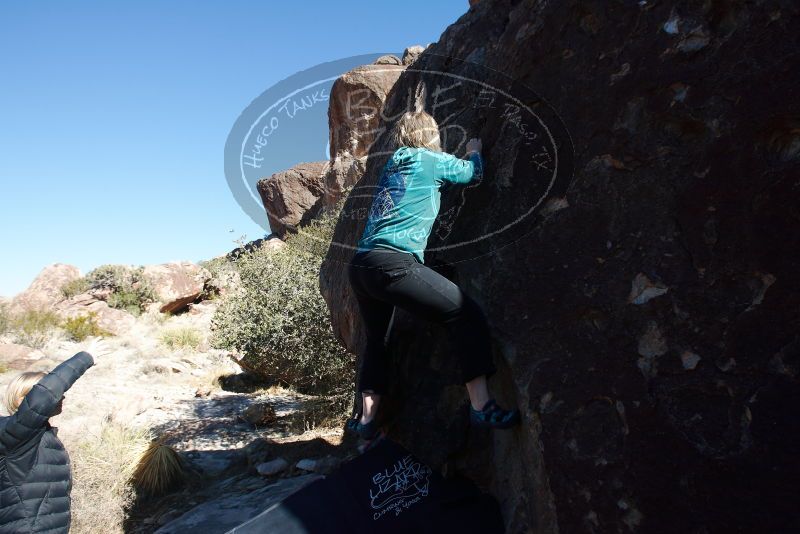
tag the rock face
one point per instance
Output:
(344, 171)
(288, 195)
(45, 290)
(227, 512)
(388, 59)
(110, 319)
(356, 100)
(646, 321)
(272, 242)
(177, 283)
(411, 54)
(17, 357)
(294, 197)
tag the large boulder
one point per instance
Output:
(177, 283)
(646, 321)
(354, 107)
(14, 357)
(294, 197)
(344, 172)
(288, 195)
(45, 290)
(110, 319)
(355, 104)
(411, 54)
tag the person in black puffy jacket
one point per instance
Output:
(35, 478)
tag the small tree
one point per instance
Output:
(278, 320)
(131, 290)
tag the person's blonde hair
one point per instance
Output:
(416, 129)
(19, 387)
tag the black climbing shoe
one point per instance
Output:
(492, 416)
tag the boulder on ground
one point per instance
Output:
(177, 283)
(16, 357)
(388, 59)
(45, 290)
(411, 54)
(289, 194)
(110, 319)
(260, 414)
(273, 467)
(356, 100)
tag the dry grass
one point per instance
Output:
(160, 469)
(102, 466)
(179, 338)
(211, 377)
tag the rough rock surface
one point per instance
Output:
(646, 323)
(226, 512)
(344, 171)
(388, 59)
(177, 283)
(356, 100)
(272, 242)
(354, 108)
(17, 357)
(45, 290)
(411, 54)
(288, 195)
(110, 319)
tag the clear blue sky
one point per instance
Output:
(114, 116)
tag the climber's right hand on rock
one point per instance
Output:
(474, 145)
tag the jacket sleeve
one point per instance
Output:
(41, 401)
(449, 168)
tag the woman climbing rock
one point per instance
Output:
(388, 269)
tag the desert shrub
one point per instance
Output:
(34, 327)
(179, 338)
(277, 319)
(102, 467)
(83, 326)
(75, 287)
(131, 290)
(223, 276)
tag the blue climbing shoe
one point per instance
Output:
(492, 416)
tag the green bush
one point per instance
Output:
(83, 326)
(131, 290)
(75, 287)
(223, 274)
(179, 338)
(34, 327)
(278, 320)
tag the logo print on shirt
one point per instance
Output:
(392, 189)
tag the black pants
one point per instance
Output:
(382, 279)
